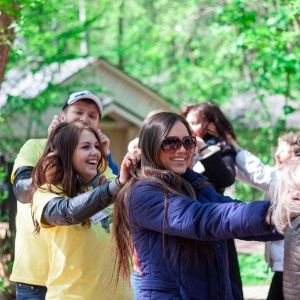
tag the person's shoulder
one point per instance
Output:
(47, 192)
(292, 232)
(193, 177)
(146, 184)
(296, 224)
(142, 182)
(34, 143)
(29, 154)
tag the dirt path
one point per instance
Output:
(248, 247)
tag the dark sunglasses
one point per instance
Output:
(171, 144)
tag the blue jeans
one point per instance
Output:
(135, 281)
(26, 291)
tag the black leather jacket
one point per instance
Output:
(61, 211)
(21, 184)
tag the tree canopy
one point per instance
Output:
(188, 51)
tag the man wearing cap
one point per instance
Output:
(80, 106)
(30, 269)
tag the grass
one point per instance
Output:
(254, 269)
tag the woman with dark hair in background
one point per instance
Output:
(215, 159)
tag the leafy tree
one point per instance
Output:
(189, 51)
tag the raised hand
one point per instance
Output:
(55, 121)
(128, 164)
(105, 141)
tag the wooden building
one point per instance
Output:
(126, 101)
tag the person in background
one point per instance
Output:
(215, 154)
(69, 201)
(215, 159)
(29, 273)
(280, 192)
(252, 171)
(177, 222)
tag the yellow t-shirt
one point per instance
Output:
(31, 250)
(31, 264)
(80, 259)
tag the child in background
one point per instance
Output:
(252, 171)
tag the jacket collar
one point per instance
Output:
(193, 177)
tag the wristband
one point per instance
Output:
(118, 183)
(205, 147)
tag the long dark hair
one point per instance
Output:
(210, 112)
(59, 152)
(153, 131)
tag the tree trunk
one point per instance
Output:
(120, 35)
(7, 38)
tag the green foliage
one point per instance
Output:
(3, 192)
(6, 241)
(188, 51)
(263, 144)
(254, 269)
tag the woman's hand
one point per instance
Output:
(212, 130)
(55, 121)
(105, 141)
(128, 163)
(102, 179)
(200, 143)
(231, 141)
(50, 167)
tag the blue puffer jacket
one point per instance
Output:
(167, 275)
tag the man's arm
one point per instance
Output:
(24, 163)
(21, 184)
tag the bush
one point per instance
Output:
(254, 269)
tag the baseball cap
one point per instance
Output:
(84, 95)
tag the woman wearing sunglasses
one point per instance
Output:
(215, 160)
(177, 222)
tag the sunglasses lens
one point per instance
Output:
(189, 143)
(171, 144)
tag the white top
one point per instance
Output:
(252, 171)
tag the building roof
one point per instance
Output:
(28, 84)
(126, 101)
